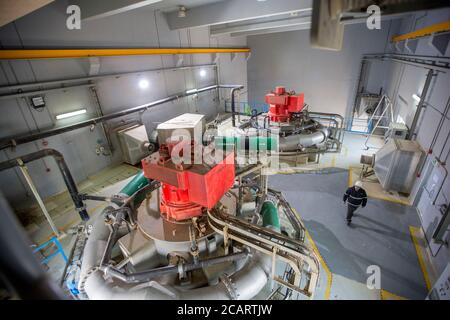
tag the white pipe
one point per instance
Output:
(246, 283)
(298, 141)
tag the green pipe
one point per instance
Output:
(138, 182)
(246, 143)
(270, 215)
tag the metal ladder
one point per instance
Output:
(379, 118)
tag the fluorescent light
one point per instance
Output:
(70, 114)
(143, 84)
(202, 73)
(191, 91)
(416, 97)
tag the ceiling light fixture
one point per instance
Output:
(143, 84)
(181, 11)
(202, 73)
(70, 114)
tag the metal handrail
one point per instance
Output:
(388, 107)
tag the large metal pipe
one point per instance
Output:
(233, 105)
(17, 262)
(146, 276)
(297, 141)
(412, 131)
(20, 89)
(63, 168)
(16, 140)
(243, 284)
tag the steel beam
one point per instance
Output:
(92, 10)
(305, 26)
(262, 26)
(234, 11)
(11, 10)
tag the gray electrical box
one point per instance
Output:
(396, 130)
(133, 142)
(191, 124)
(396, 164)
(441, 289)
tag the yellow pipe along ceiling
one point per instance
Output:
(424, 32)
(85, 53)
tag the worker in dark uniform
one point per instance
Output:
(354, 196)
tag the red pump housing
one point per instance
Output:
(188, 190)
(282, 104)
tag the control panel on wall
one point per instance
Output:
(441, 289)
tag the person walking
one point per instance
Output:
(354, 197)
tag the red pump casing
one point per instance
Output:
(187, 192)
(282, 104)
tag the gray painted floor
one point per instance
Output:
(379, 234)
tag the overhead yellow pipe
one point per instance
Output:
(84, 53)
(427, 31)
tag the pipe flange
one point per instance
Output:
(84, 279)
(82, 208)
(230, 286)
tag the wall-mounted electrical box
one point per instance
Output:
(134, 143)
(441, 289)
(396, 130)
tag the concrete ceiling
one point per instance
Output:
(11, 10)
(92, 10)
(172, 5)
(246, 17)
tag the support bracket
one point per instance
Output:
(439, 42)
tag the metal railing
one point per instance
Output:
(59, 250)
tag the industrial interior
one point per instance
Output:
(208, 150)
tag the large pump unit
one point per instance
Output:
(283, 105)
(180, 230)
(299, 131)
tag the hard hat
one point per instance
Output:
(358, 184)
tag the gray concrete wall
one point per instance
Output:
(401, 82)
(328, 78)
(46, 28)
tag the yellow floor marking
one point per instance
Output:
(322, 261)
(386, 295)
(350, 177)
(413, 231)
(333, 161)
(390, 200)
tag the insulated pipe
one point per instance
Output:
(243, 284)
(269, 215)
(146, 276)
(63, 168)
(296, 141)
(138, 182)
(16, 140)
